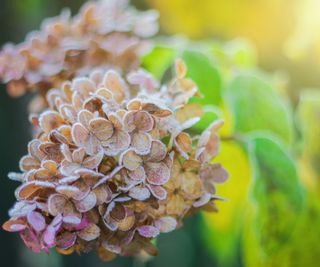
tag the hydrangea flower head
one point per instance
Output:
(105, 33)
(114, 164)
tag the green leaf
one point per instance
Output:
(158, 60)
(309, 119)
(277, 197)
(211, 113)
(256, 106)
(207, 77)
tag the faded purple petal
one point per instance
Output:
(37, 221)
(166, 224)
(148, 231)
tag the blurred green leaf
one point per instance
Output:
(278, 201)
(158, 60)
(206, 76)
(309, 119)
(222, 230)
(211, 113)
(256, 106)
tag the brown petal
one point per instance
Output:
(68, 113)
(42, 174)
(155, 110)
(67, 190)
(34, 149)
(130, 160)
(50, 165)
(80, 135)
(183, 143)
(28, 189)
(93, 162)
(176, 205)
(66, 240)
(91, 232)
(208, 144)
(86, 204)
(214, 172)
(103, 194)
(14, 225)
(134, 104)
(181, 68)
(50, 120)
(157, 173)
(137, 174)
(118, 142)
(56, 204)
(158, 151)
(113, 82)
(189, 111)
(93, 146)
(105, 254)
(84, 117)
(78, 155)
(84, 190)
(105, 93)
(191, 185)
(28, 163)
(138, 120)
(127, 223)
(116, 120)
(102, 128)
(68, 168)
(141, 142)
(61, 135)
(84, 86)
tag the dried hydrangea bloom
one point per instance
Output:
(105, 33)
(114, 165)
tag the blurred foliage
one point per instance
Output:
(284, 32)
(270, 149)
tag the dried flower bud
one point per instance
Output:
(105, 33)
(113, 165)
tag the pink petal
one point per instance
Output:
(66, 240)
(204, 199)
(157, 173)
(70, 219)
(37, 221)
(83, 224)
(31, 240)
(87, 203)
(139, 193)
(49, 236)
(166, 224)
(148, 231)
(158, 191)
(57, 222)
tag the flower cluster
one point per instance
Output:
(105, 33)
(114, 164)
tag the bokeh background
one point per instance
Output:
(278, 40)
